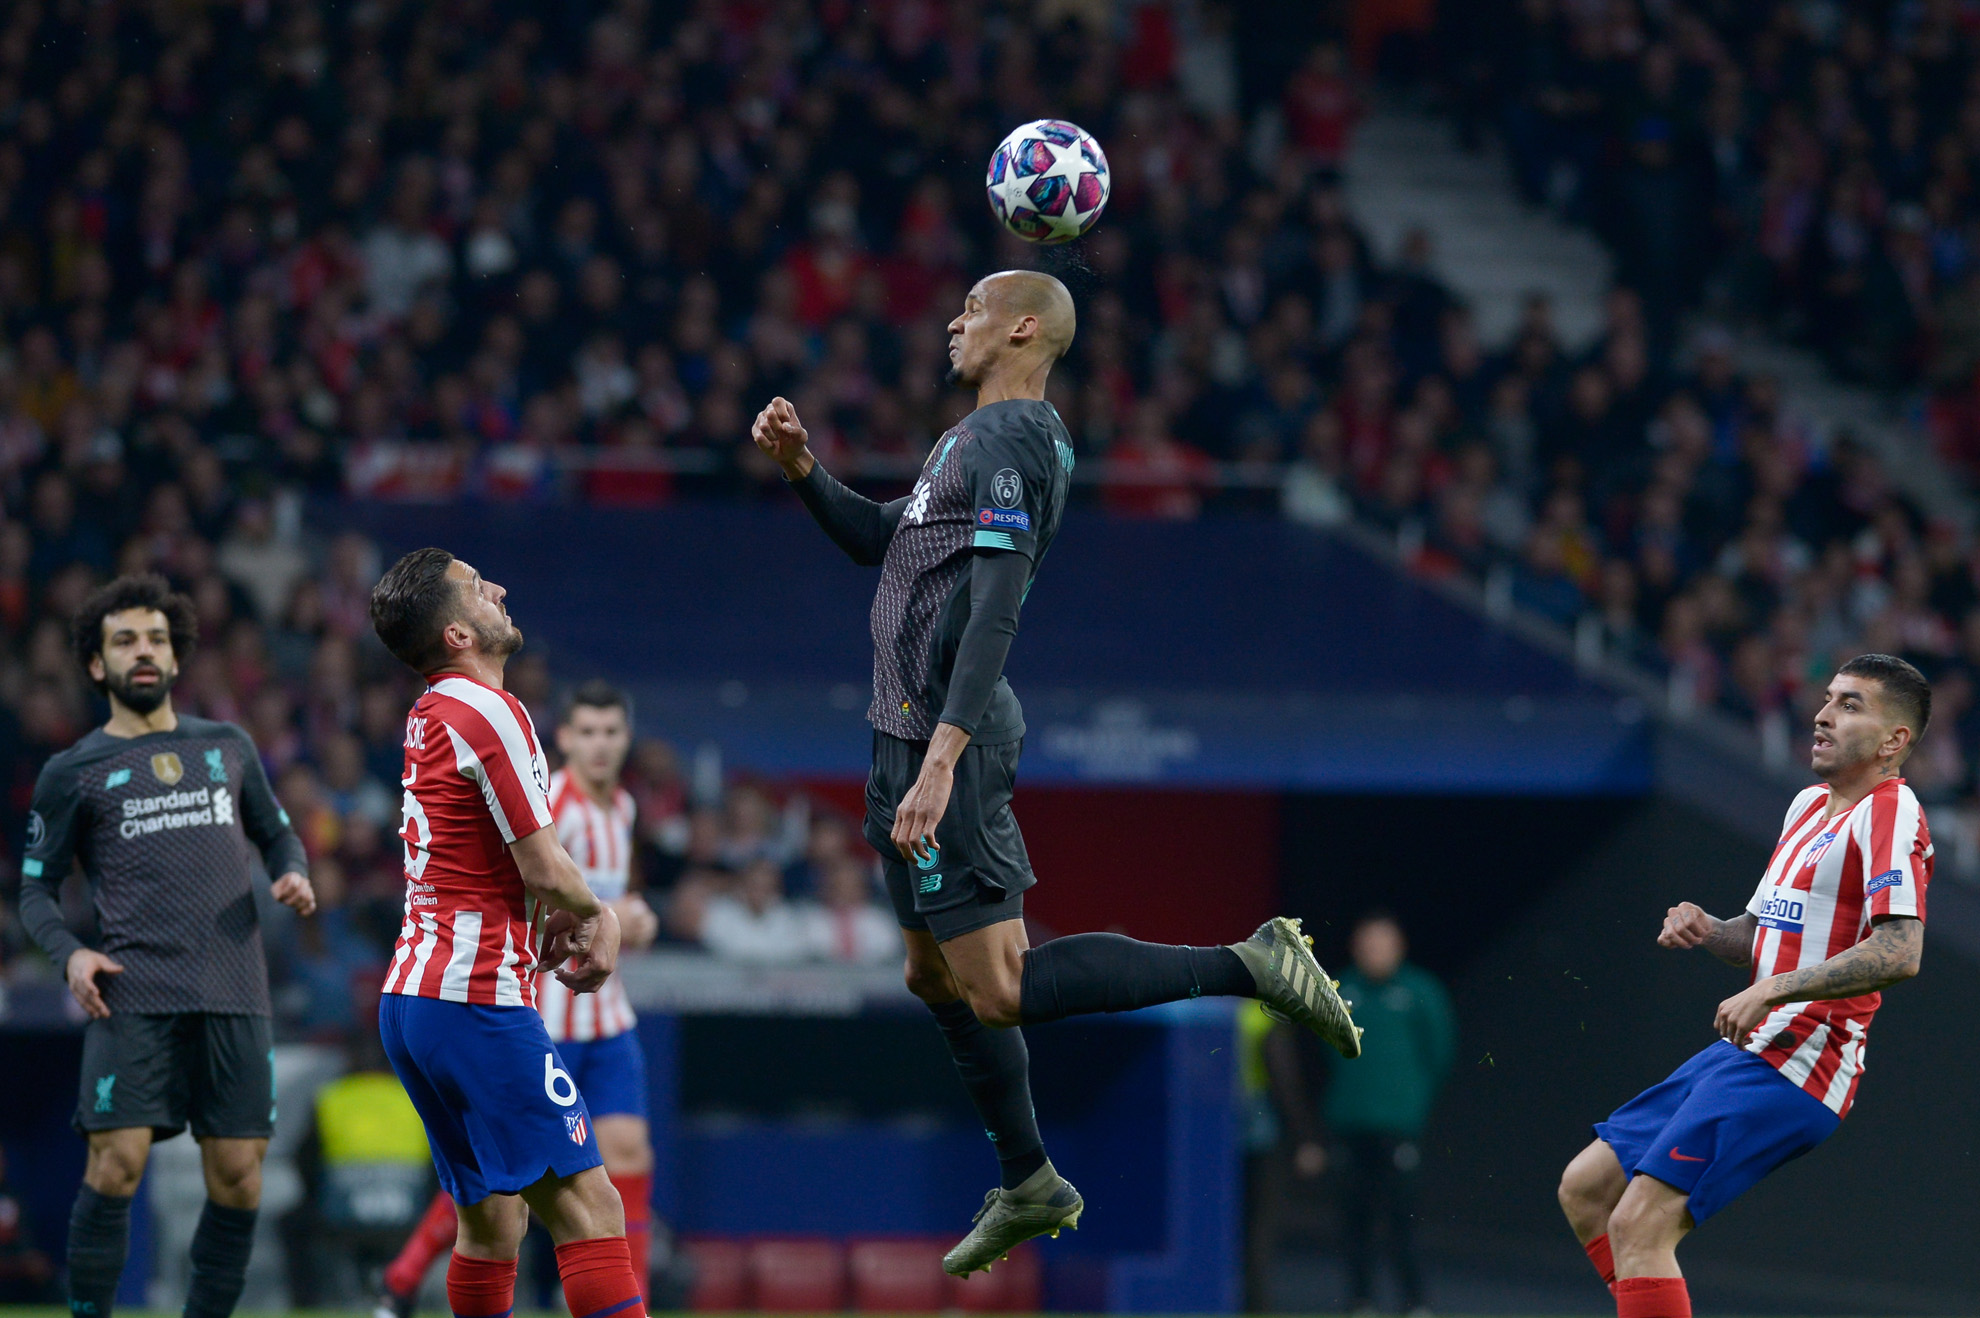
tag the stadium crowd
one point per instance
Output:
(257, 257)
(1806, 167)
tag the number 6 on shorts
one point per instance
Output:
(553, 1075)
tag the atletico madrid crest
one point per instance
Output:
(579, 1128)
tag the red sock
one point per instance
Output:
(435, 1232)
(1604, 1260)
(598, 1279)
(1652, 1297)
(481, 1288)
(636, 1193)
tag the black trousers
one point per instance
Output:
(1378, 1214)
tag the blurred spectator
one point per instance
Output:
(366, 1178)
(848, 923)
(755, 923)
(1376, 1109)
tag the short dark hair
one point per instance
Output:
(1903, 685)
(411, 605)
(149, 591)
(597, 694)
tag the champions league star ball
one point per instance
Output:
(1048, 181)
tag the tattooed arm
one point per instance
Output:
(1890, 955)
(1731, 941)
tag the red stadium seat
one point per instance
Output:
(1012, 1285)
(798, 1276)
(721, 1275)
(897, 1276)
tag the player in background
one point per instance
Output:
(593, 1031)
(957, 557)
(1838, 917)
(167, 814)
(487, 885)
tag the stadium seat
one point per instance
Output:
(797, 1276)
(897, 1276)
(721, 1275)
(1011, 1286)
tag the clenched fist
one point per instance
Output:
(780, 434)
(1686, 925)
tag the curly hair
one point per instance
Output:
(149, 591)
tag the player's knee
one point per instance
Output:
(1645, 1221)
(235, 1180)
(1627, 1222)
(114, 1170)
(997, 1005)
(1579, 1190)
(602, 1212)
(930, 983)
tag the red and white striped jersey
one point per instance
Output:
(475, 781)
(1828, 880)
(599, 839)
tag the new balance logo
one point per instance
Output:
(933, 883)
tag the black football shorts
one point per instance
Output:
(979, 875)
(214, 1072)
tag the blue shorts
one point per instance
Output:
(501, 1111)
(1723, 1121)
(610, 1073)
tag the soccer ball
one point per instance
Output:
(1048, 181)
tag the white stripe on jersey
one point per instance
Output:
(508, 988)
(1801, 1062)
(472, 770)
(1852, 1066)
(429, 938)
(400, 957)
(514, 743)
(460, 963)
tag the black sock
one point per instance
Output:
(1084, 973)
(220, 1249)
(99, 1239)
(996, 1070)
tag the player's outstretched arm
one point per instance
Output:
(856, 523)
(1890, 955)
(1687, 925)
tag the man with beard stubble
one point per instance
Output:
(165, 813)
